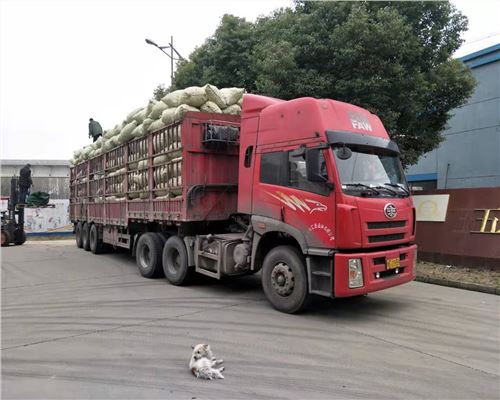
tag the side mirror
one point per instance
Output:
(315, 167)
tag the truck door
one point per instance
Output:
(283, 192)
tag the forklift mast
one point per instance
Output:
(13, 218)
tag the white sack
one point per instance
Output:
(195, 96)
(126, 133)
(158, 124)
(182, 110)
(232, 95)
(214, 95)
(147, 122)
(175, 99)
(168, 116)
(157, 109)
(235, 109)
(210, 107)
(130, 115)
(139, 131)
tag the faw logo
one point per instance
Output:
(359, 121)
(298, 204)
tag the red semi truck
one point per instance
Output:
(309, 192)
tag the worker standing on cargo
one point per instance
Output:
(95, 129)
(24, 183)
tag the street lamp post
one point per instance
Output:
(171, 55)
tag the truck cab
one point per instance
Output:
(323, 184)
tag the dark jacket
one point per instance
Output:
(25, 177)
(95, 129)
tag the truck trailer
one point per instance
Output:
(310, 192)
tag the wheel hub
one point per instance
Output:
(282, 279)
(145, 257)
(174, 264)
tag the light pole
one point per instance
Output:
(171, 55)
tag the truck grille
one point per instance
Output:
(385, 238)
(386, 224)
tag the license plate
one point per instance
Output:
(392, 263)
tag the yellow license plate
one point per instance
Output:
(392, 263)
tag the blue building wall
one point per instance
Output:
(470, 154)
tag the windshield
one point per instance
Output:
(371, 172)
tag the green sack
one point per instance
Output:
(38, 199)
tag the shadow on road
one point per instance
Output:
(250, 285)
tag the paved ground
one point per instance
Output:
(75, 325)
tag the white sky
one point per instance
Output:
(62, 62)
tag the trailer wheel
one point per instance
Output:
(148, 255)
(85, 236)
(95, 242)
(175, 262)
(78, 235)
(284, 279)
(5, 238)
(20, 238)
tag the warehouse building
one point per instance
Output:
(457, 186)
(51, 176)
(469, 156)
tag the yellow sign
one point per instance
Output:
(489, 221)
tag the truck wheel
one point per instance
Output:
(78, 235)
(20, 238)
(95, 242)
(5, 238)
(284, 279)
(85, 236)
(148, 255)
(175, 262)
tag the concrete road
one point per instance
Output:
(76, 325)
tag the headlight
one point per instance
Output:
(355, 273)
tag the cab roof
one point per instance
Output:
(309, 117)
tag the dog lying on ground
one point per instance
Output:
(203, 363)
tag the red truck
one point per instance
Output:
(309, 192)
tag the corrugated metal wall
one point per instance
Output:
(51, 176)
(58, 188)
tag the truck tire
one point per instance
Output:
(20, 238)
(85, 236)
(95, 242)
(78, 235)
(284, 279)
(5, 238)
(148, 255)
(175, 262)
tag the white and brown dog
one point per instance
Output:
(203, 363)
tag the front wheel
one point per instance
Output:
(284, 279)
(175, 262)
(20, 238)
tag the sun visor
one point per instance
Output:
(360, 140)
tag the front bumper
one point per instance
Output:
(372, 263)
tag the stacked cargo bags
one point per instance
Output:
(167, 155)
(157, 114)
